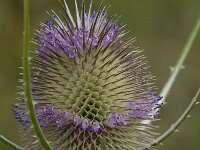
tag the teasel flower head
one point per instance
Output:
(90, 83)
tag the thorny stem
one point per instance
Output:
(167, 87)
(26, 77)
(179, 64)
(180, 61)
(10, 143)
(178, 122)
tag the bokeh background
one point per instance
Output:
(161, 28)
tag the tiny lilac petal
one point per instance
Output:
(50, 23)
(156, 116)
(157, 106)
(85, 124)
(77, 120)
(123, 120)
(96, 126)
(141, 114)
(49, 107)
(111, 123)
(64, 119)
(115, 115)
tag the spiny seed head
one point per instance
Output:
(89, 84)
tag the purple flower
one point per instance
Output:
(96, 126)
(88, 83)
(62, 121)
(77, 120)
(85, 124)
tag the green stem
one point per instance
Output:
(178, 122)
(27, 80)
(10, 143)
(167, 87)
(179, 63)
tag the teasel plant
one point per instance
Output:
(86, 85)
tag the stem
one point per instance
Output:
(27, 80)
(178, 122)
(10, 143)
(179, 63)
(168, 85)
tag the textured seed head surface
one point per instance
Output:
(90, 84)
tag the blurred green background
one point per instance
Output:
(161, 28)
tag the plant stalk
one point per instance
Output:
(10, 143)
(178, 122)
(179, 64)
(27, 81)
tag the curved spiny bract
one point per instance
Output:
(89, 84)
